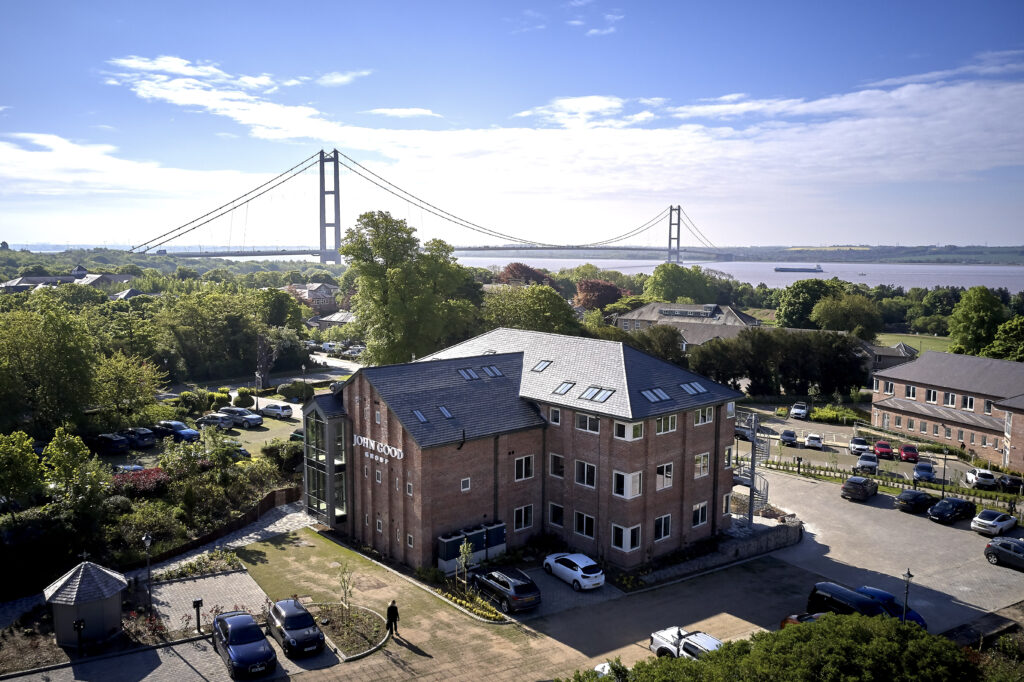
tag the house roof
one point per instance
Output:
(900, 350)
(965, 373)
(696, 333)
(330, 405)
(86, 582)
(940, 414)
(707, 313)
(1013, 403)
(340, 317)
(479, 407)
(585, 363)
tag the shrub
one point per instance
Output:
(432, 575)
(244, 398)
(145, 483)
(837, 414)
(303, 390)
(115, 506)
(193, 402)
(220, 400)
(283, 453)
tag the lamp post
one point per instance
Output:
(945, 451)
(906, 592)
(257, 387)
(147, 540)
(198, 604)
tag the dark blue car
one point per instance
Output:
(179, 431)
(241, 643)
(891, 605)
(138, 437)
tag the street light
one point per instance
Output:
(945, 451)
(147, 540)
(198, 604)
(906, 592)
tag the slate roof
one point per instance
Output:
(900, 350)
(587, 362)
(86, 582)
(330, 405)
(479, 407)
(938, 413)
(1014, 403)
(707, 313)
(962, 373)
(697, 333)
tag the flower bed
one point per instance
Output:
(354, 632)
(215, 561)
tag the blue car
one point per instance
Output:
(179, 431)
(241, 643)
(892, 606)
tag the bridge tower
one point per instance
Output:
(331, 159)
(674, 223)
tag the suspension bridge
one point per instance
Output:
(330, 165)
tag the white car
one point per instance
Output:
(858, 446)
(981, 478)
(677, 642)
(798, 411)
(275, 410)
(993, 522)
(578, 570)
(813, 440)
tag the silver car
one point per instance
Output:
(868, 463)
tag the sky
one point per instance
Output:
(573, 122)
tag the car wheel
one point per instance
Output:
(547, 568)
(662, 653)
(992, 559)
(245, 425)
(576, 585)
(505, 607)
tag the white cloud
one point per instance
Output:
(574, 22)
(579, 3)
(256, 82)
(600, 31)
(172, 65)
(336, 78)
(1002, 63)
(612, 18)
(408, 112)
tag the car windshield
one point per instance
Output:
(859, 441)
(789, 434)
(882, 444)
(177, 426)
(799, 406)
(590, 569)
(944, 505)
(910, 448)
(868, 458)
(924, 466)
(524, 588)
(245, 634)
(985, 474)
(299, 621)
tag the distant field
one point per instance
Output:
(920, 342)
(765, 315)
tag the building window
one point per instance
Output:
(910, 424)
(366, 471)
(899, 420)
(988, 406)
(662, 527)
(589, 423)
(984, 441)
(586, 474)
(967, 402)
(468, 374)
(949, 432)
(408, 489)
(700, 514)
(935, 429)
(726, 503)
(627, 485)
(376, 416)
(910, 391)
(556, 514)
(522, 517)
(408, 539)
(924, 426)
(949, 399)
(666, 424)
(380, 526)
(625, 431)
(703, 416)
(541, 366)
(972, 438)
(625, 539)
(420, 417)
(728, 456)
(557, 465)
(555, 416)
(584, 525)
(524, 467)
(701, 465)
(931, 395)
(664, 477)
(890, 388)
(730, 410)
(465, 485)
(960, 435)
(445, 412)
(874, 384)
(366, 519)
(376, 475)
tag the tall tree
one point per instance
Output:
(536, 307)
(77, 478)
(595, 293)
(974, 321)
(20, 475)
(671, 282)
(126, 386)
(797, 301)
(851, 313)
(1008, 343)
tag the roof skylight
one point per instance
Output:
(445, 412)
(492, 371)
(655, 395)
(564, 387)
(541, 366)
(419, 415)
(468, 374)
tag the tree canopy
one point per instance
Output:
(797, 301)
(975, 320)
(535, 307)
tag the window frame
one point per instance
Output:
(523, 468)
(701, 465)
(667, 471)
(890, 388)
(666, 423)
(579, 516)
(629, 431)
(948, 399)
(700, 514)
(726, 503)
(931, 396)
(633, 533)
(704, 415)
(465, 484)
(587, 468)
(551, 465)
(551, 519)
(520, 516)
(590, 421)
(632, 484)
(967, 402)
(662, 528)
(555, 416)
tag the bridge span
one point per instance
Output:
(610, 251)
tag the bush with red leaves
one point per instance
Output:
(145, 483)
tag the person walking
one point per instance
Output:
(392, 624)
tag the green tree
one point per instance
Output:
(536, 307)
(1008, 343)
(797, 301)
(671, 282)
(851, 313)
(974, 321)
(126, 386)
(77, 478)
(20, 475)
(662, 341)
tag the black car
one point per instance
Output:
(913, 501)
(859, 488)
(139, 437)
(510, 587)
(788, 437)
(1007, 551)
(107, 444)
(295, 629)
(1009, 483)
(241, 643)
(952, 509)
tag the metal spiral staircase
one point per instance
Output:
(757, 483)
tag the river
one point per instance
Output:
(902, 274)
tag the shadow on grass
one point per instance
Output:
(256, 554)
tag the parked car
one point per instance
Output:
(913, 501)
(867, 464)
(1008, 551)
(993, 522)
(813, 440)
(788, 437)
(578, 570)
(952, 509)
(241, 643)
(242, 417)
(798, 618)
(107, 443)
(298, 434)
(883, 449)
(238, 451)
(294, 628)
(216, 419)
(798, 411)
(179, 431)
(138, 437)
(276, 411)
(834, 598)
(128, 468)
(981, 478)
(859, 488)
(1009, 483)
(510, 587)
(908, 453)
(677, 642)
(858, 446)
(892, 607)
(924, 471)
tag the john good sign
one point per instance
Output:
(374, 446)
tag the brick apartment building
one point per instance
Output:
(956, 399)
(513, 433)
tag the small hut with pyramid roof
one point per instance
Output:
(88, 592)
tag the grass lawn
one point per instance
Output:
(765, 315)
(919, 341)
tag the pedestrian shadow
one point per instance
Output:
(402, 642)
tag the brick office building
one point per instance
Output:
(622, 455)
